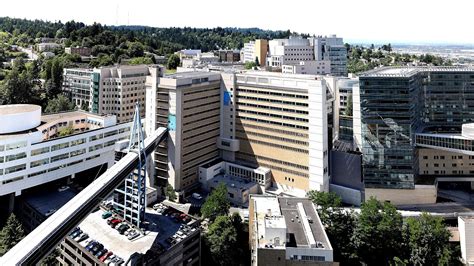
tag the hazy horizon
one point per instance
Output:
(364, 21)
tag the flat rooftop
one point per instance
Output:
(191, 74)
(233, 183)
(160, 228)
(44, 202)
(295, 226)
(18, 108)
(407, 71)
(65, 115)
(302, 229)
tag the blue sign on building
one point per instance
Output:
(171, 122)
(226, 98)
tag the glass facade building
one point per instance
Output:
(397, 103)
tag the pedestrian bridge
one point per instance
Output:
(460, 143)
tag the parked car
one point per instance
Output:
(97, 248)
(120, 226)
(63, 188)
(74, 230)
(134, 234)
(106, 256)
(76, 234)
(106, 214)
(82, 237)
(115, 222)
(100, 253)
(91, 245)
(123, 229)
(129, 231)
(197, 196)
(110, 258)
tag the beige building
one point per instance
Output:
(253, 50)
(109, 90)
(278, 122)
(188, 104)
(287, 231)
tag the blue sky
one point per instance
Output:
(396, 21)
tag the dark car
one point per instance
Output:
(82, 238)
(100, 253)
(97, 248)
(76, 233)
(91, 245)
(74, 230)
(123, 229)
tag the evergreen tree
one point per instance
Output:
(11, 234)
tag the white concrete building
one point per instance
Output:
(49, 46)
(286, 231)
(466, 239)
(294, 50)
(308, 67)
(33, 153)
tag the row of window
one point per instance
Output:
(246, 132)
(272, 115)
(281, 94)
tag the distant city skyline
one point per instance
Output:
(404, 21)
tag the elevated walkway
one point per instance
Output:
(460, 143)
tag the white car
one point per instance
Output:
(197, 196)
(63, 188)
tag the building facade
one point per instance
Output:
(38, 153)
(108, 90)
(405, 111)
(188, 104)
(279, 122)
(255, 50)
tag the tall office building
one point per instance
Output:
(188, 104)
(108, 90)
(331, 48)
(255, 50)
(279, 122)
(405, 119)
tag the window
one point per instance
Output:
(59, 157)
(14, 157)
(39, 151)
(15, 168)
(59, 146)
(39, 163)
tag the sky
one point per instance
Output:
(382, 21)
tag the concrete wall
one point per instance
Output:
(346, 169)
(422, 194)
(348, 195)
(466, 238)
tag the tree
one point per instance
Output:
(378, 235)
(339, 224)
(222, 241)
(11, 234)
(216, 204)
(428, 240)
(66, 131)
(170, 193)
(250, 65)
(59, 104)
(17, 88)
(141, 61)
(173, 61)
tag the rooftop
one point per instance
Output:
(160, 228)
(233, 183)
(54, 200)
(18, 108)
(406, 71)
(297, 216)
